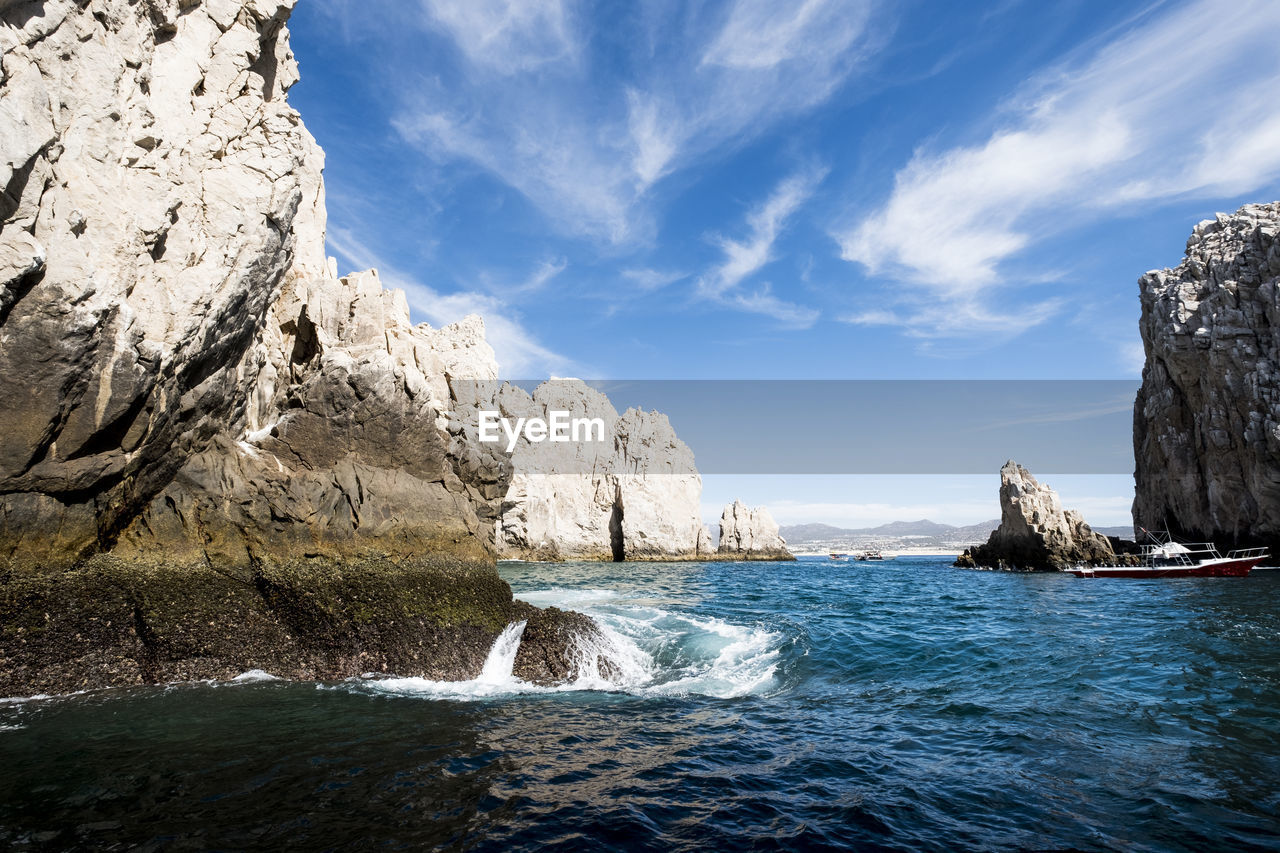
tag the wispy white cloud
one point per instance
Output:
(654, 137)
(1180, 105)
(635, 284)
(762, 34)
(586, 147)
(1132, 357)
(518, 351)
(547, 154)
(535, 282)
(648, 280)
(963, 315)
(545, 271)
(952, 217)
(507, 36)
(745, 257)
(788, 314)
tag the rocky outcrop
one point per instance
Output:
(110, 622)
(1035, 532)
(216, 455)
(633, 496)
(750, 534)
(1207, 418)
(559, 646)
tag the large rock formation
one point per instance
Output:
(1207, 419)
(633, 496)
(750, 534)
(1035, 532)
(158, 190)
(215, 455)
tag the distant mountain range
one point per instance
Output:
(799, 534)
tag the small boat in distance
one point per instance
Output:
(839, 558)
(1165, 558)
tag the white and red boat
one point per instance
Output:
(1169, 559)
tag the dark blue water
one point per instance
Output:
(813, 705)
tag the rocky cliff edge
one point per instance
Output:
(633, 496)
(1207, 418)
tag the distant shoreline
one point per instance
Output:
(900, 552)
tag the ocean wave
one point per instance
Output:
(653, 651)
(254, 676)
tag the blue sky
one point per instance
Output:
(817, 189)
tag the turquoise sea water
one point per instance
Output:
(810, 705)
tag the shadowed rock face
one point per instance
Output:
(750, 534)
(1035, 532)
(1207, 418)
(346, 451)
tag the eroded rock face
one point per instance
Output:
(1035, 532)
(750, 534)
(154, 180)
(634, 496)
(345, 451)
(1207, 418)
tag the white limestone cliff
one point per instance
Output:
(750, 534)
(634, 496)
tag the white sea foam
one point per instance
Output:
(495, 678)
(254, 676)
(650, 651)
(724, 660)
(502, 657)
(17, 700)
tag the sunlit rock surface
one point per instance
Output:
(634, 496)
(1035, 532)
(154, 177)
(750, 534)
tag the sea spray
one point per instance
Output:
(502, 656)
(609, 660)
